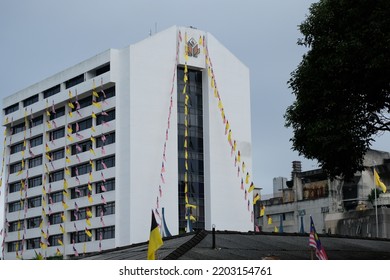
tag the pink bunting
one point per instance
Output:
(103, 199)
(162, 179)
(103, 151)
(104, 180)
(104, 165)
(103, 188)
(162, 167)
(160, 190)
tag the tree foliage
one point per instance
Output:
(342, 84)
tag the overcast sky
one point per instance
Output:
(42, 37)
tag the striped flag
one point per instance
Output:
(315, 242)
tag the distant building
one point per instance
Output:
(92, 150)
(337, 206)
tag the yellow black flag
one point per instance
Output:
(155, 240)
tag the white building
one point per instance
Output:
(161, 125)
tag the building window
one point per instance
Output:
(35, 182)
(34, 202)
(14, 246)
(33, 243)
(54, 240)
(15, 226)
(80, 214)
(56, 176)
(51, 91)
(106, 140)
(33, 222)
(36, 121)
(84, 102)
(11, 109)
(59, 154)
(81, 169)
(105, 233)
(59, 113)
(36, 161)
(74, 81)
(17, 148)
(16, 167)
(109, 116)
(109, 185)
(108, 93)
(108, 161)
(56, 197)
(55, 218)
(79, 236)
(108, 209)
(102, 69)
(81, 147)
(15, 187)
(18, 128)
(57, 134)
(79, 191)
(14, 206)
(31, 100)
(36, 141)
(83, 125)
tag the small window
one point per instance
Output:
(34, 202)
(107, 186)
(55, 218)
(15, 187)
(16, 148)
(31, 100)
(36, 141)
(58, 113)
(15, 226)
(59, 154)
(57, 134)
(33, 243)
(16, 167)
(81, 147)
(108, 116)
(108, 162)
(82, 103)
(102, 69)
(14, 246)
(33, 222)
(36, 161)
(105, 233)
(79, 191)
(81, 169)
(74, 81)
(11, 109)
(36, 121)
(18, 128)
(108, 209)
(82, 125)
(14, 206)
(109, 92)
(105, 139)
(80, 236)
(51, 91)
(80, 214)
(56, 197)
(54, 239)
(35, 182)
(56, 176)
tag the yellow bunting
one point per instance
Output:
(247, 178)
(95, 94)
(256, 198)
(93, 139)
(62, 229)
(93, 115)
(47, 148)
(70, 138)
(60, 242)
(269, 220)
(67, 159)
(65, 184)
(70, 94)
(41, 224)
(90, 177)
(43, 245)
(70, 104)
(88, 232)
(48, 113)
(191, 206)
(87, 221)
(89, 186)
(96, 104)
(92, 151)
(70, 130)
(70, 114)
(48, 157)
(93, 129)
(65, 206)
(185, 68)
(67, 171)
(48, 125)
(67, 149)
(89, 213)
(63, 218)
(91, 163)
(262, 211)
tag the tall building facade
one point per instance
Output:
(162, 125)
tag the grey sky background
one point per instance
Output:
(42, 37)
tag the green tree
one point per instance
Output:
(342, 84)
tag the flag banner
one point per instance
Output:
(314, 241)
(378, 181)
(155, 240)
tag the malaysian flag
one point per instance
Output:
(315, 242)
